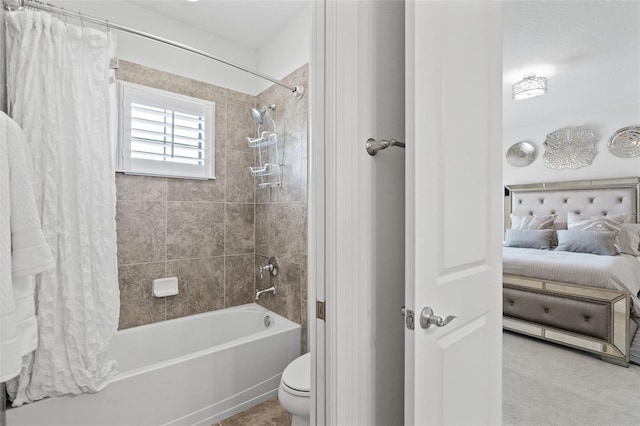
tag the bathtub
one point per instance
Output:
(195, 370)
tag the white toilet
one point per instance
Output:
(294, 393)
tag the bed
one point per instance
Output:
(564, 294)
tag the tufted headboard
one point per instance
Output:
(588, 197)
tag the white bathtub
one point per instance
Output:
(194, 370)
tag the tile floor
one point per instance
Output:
(269, 413)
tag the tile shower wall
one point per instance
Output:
(213, 234)
(203, 232)
(281, 212)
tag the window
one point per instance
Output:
(165, 134)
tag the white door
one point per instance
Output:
(454, 211)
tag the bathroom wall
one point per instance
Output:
(281, 212)
(214, 234)
(200, 231)
(204, 232)
(284, 51)
(160, 56)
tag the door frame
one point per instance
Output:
(316, 263)
(342, 111)
(350, 56)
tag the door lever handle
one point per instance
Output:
(427, 319)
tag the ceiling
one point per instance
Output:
(249, 23)
(588, 50)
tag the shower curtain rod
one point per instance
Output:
(13, 5)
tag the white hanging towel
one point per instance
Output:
(23, 250)
(9, 347)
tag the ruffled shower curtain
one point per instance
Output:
(61, 92)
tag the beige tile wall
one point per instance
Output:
(212, 234)
(281, 212)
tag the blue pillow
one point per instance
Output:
(594, 242)
(529, 238)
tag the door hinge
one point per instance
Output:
(320, 310)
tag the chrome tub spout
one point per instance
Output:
(271, 289)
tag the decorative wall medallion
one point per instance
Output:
(570, 148)
(521, 154)
(625, 142)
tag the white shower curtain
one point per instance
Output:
(61, 92)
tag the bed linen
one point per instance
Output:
(620, 272)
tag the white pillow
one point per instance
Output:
(630, 239)
(532, 222)
(595, 223)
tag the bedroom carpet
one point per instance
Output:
(547, 384)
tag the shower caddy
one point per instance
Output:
(268, 167)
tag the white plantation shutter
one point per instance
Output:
(166, 134)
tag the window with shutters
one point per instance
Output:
(165, 134)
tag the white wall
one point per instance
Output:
(592, 52)
(288, 49)
(604, 121)
(285, 52)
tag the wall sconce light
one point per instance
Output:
(529, 87)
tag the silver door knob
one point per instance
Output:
(427, 319)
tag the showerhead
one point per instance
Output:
(257, 116)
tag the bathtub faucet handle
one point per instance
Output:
(272, 267)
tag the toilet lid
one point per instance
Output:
(297, 375)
